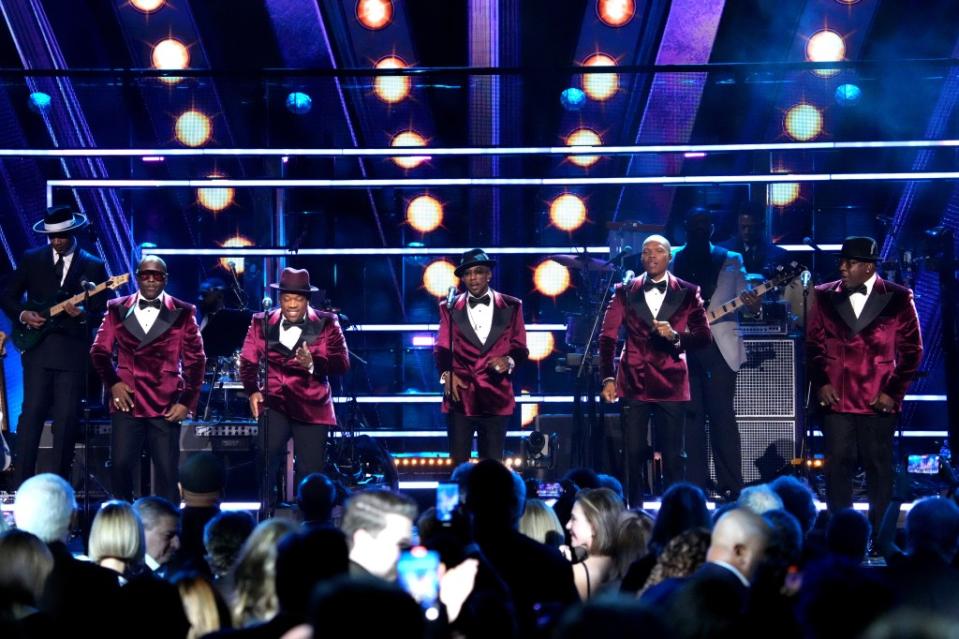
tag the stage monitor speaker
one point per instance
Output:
(766, 384)
(767, 448)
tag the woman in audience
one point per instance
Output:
(592, 526)
(540, 522)
(632, 539)
(25, 564)
(117, 540)
(254, 577)
(202, 605)
(680, 558)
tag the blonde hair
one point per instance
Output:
(117, 533)
(602, 508)
(254, 574)
(539, 519)
(200, 605)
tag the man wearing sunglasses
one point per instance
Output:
(156, 382)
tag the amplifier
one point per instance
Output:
(767, 448)
(218, 436)
(766, 384)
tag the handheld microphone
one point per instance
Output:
(629, 277)
(624, 252)
(266, 304)
(805, 278)
(450, 296)
(808, 241)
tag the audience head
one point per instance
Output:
(681, 557)
(610, 618)
(739, 539)
(203, 606)
(683, 507)
(378, 524)
(44, 506)
(759, 499)
(494, 496)
(539, 522)
(315, 497)
(840, 598)
(932, 526)
(349, 607)
(223, 536)
(595, 520)
(798, 500)
(582, 477)
(161, 527)
(632, 538)
(202, 478)
(305, 559)
(847, 534)
(117, 534)
(254, 573)
(25, 564)
(608, 481)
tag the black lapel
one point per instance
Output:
(273, 336)
(163, 322)
(312, 330)
(844, 307)
(462, 321)
(637, 300)
(501, 319)
(675, 297)
(130, 322)
(875, 304)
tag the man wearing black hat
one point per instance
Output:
(863, 348)
(482, 338)
(302, 347)
(53, 370)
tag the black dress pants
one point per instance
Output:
(162, 439)
(490, 436)
(667, 420)
(309, 448)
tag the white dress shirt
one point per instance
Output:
(289, 336)
(654, 299)
(67, 260)
(481, 316)
(147, 316)
(858, 300)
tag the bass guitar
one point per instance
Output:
(25, 338)
(784, 275)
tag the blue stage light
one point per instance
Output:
(572, 99)
(848, 94)
(39, 101)
(298, 103)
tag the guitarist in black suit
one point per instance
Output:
(53, 370)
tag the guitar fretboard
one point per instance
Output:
(736, 304)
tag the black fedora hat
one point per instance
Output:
(864, 249)
(60, 219)
(473, 257)
(295, 280)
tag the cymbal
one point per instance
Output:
(635, 226)
(582, 263)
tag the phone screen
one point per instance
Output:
(447, 499)
(923, 464)
(418, 574)
(549, 490)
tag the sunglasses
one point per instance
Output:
(156, 276)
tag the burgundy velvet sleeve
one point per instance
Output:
(612, 320)
(101, 352)
(250, 354)
(194, 362)
(908, 351)
(697, 334)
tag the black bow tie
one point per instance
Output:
(650, 285)
(479, 300)
(857, 289)
(287, 324)
(150, 304)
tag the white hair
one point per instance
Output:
(44, 506)
(760, 499)
(658, 239)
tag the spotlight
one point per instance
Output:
(600, 86)
(583, 137)
(237, 241)
(572, 99)
(540, 345)
(528, 413)
(782, 193)
(393, 88)
(170, 54)
(551, 278)
(424, 213)
(567, 212)
(374, 14)
(39, 101)
(216, 198)
(147, 6)
(299, 103)
(616, 13)
(409, 138)
(193, 128)
(848, 94)
(803, 122)
(825, 46)
(439, 277)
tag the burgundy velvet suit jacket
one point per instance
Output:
(292, 389)
(163, 367)
(487, 393)
(879, 351)
(651, 369)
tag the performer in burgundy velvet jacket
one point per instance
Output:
(863, 347)
(303, 346)
(489, 341)
(156, 382)
(664, 317)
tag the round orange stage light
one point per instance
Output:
(424, 213)
(583, 137)
(825, 46)
(216, 198)
(374, 14)
(803, 122)
(438, 277)
(551, 278)
(237, 241)
(170, 54)
(393, 88)
(193, 128)
(540, 345)
(616, 13)
(409, 138)
(782, 193)
(567, 212)
(147, 6)
(600, 86)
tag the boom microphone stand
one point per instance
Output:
(268, 479)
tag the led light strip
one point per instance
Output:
(394, 328)
(229, 251)
(435, 398)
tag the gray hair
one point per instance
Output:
(44, 506)
(760, 499)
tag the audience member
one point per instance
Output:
(161, 528)
(365, 607)
(117, 539)
(315, 497)
(253, 575)
(847, 534)
(202, 479)
(681, 557)
(378, 524)
(223, 537)
(25, 565)
(204, 608)
(632, 539)
(539, 522)
(593, 526)
(611, 618)
(759, 499)
(608, 481)
(798, 500)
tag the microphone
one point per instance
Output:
(629, 277)
(808, 241)
(625, 251)
(450, 296)
(87, 286)
(266, 304)
(805, 278)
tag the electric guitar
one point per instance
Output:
(784, 275)
(5, 457)
(25, 338)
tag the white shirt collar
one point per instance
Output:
(731, 568)
(870, 283)
(161, 297)
(664, 278)
(151, 563)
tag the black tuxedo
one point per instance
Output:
(53, 371)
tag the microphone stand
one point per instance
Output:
(267, 482)
(449, 373)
